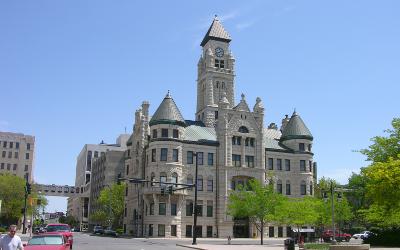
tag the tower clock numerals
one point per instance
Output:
(219, 52)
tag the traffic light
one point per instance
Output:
(171, 190)
(28, 188)
(162, 190)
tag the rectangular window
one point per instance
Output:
(199, 208)
(26, 168)
(209, 185)
(302, 165)
(150, 229)
(16, 155)
(17, 145)
(125, 211)
(270, 163)
(216, 115)
(126, 190)
(210, 159)
(164, 154)
(219, 63)
(11, 144)
(10, 154)
(161, 230)
(188, 230)
(246, 142)
(127, 169)
(209, 209)
(209, 231)
(8, 166)
(15, 167)
(153, 155)
(28, 146)
(27, 156)
(303, 188)
(200, 158)
(309, 147)
(279, 164)
(151, 208)
(154, 133)
(162, 209)
(310, 165)
(189, 158)
(175, 155)
(252, 140)
(173, 230)
(2, 165)
(287, 165)
(236, 160)
(96, 154)
(164, 132)
(250, 161)
(3, 154)
(189, 208)
(173, 209)
(200, 183)
(175, 133)
(302, 147)
(288, 189)
(311, 189)
(4, 144)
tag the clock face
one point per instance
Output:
(219, 52)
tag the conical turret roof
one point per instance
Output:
(167, 112)
(296, 129)
(216, 32)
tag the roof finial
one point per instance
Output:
(215, 17)
(168, 95)
(242, 95)
(294, 112)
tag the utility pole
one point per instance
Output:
(195, 201)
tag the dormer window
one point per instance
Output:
(219, 64)
(302, 147)
(164, 132)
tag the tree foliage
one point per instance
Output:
(12, 194)
(111, 201)
(257, 202)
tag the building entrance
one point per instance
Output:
(241, 228)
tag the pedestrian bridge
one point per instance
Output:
(58, 190)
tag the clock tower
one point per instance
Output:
(216, 74)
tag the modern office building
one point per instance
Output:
(90, 152)
(231, 146)
(17, 154)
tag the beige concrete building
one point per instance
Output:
(79, 206)
(232, 146)
(17, 154)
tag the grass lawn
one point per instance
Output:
(321, 246)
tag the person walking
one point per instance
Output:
(11, 241)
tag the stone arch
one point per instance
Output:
(243, 129)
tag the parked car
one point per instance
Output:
(110, 232)
(367, 235)
(61, 228)
(361, 235)
(98, 230)
(327, 236)
(54, 241)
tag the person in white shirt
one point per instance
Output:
(11, 241)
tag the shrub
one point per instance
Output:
(319, 246)
(385, 237)
(119, 231)
(2, 230)
(356, 230)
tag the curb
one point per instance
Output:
(192, 247)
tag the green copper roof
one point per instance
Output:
(199, 134)
(216, 32)
(167, 112)
(296, 129)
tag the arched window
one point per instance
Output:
(174, 178)
(243, 129)
(303, 188)
(163, 178)
(279, 186)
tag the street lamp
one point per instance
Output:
(332, 190)
(195, 201)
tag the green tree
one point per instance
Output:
(299, 212)
(69, 219)
(111, 201)
(257, 202)
(12, 194)
(385, 147)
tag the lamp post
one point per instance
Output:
(332, 192)
(195, 202)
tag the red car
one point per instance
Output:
(64, 229)
(327, 236)
(53, 241)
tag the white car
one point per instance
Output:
(361, 235)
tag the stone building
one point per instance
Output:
(79, 206)
(17, 154)
(231, 145)
(105, 172)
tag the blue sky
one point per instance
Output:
(74, 72)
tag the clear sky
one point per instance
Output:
(73, 72)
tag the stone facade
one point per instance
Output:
(17, 154)
(232, 146)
